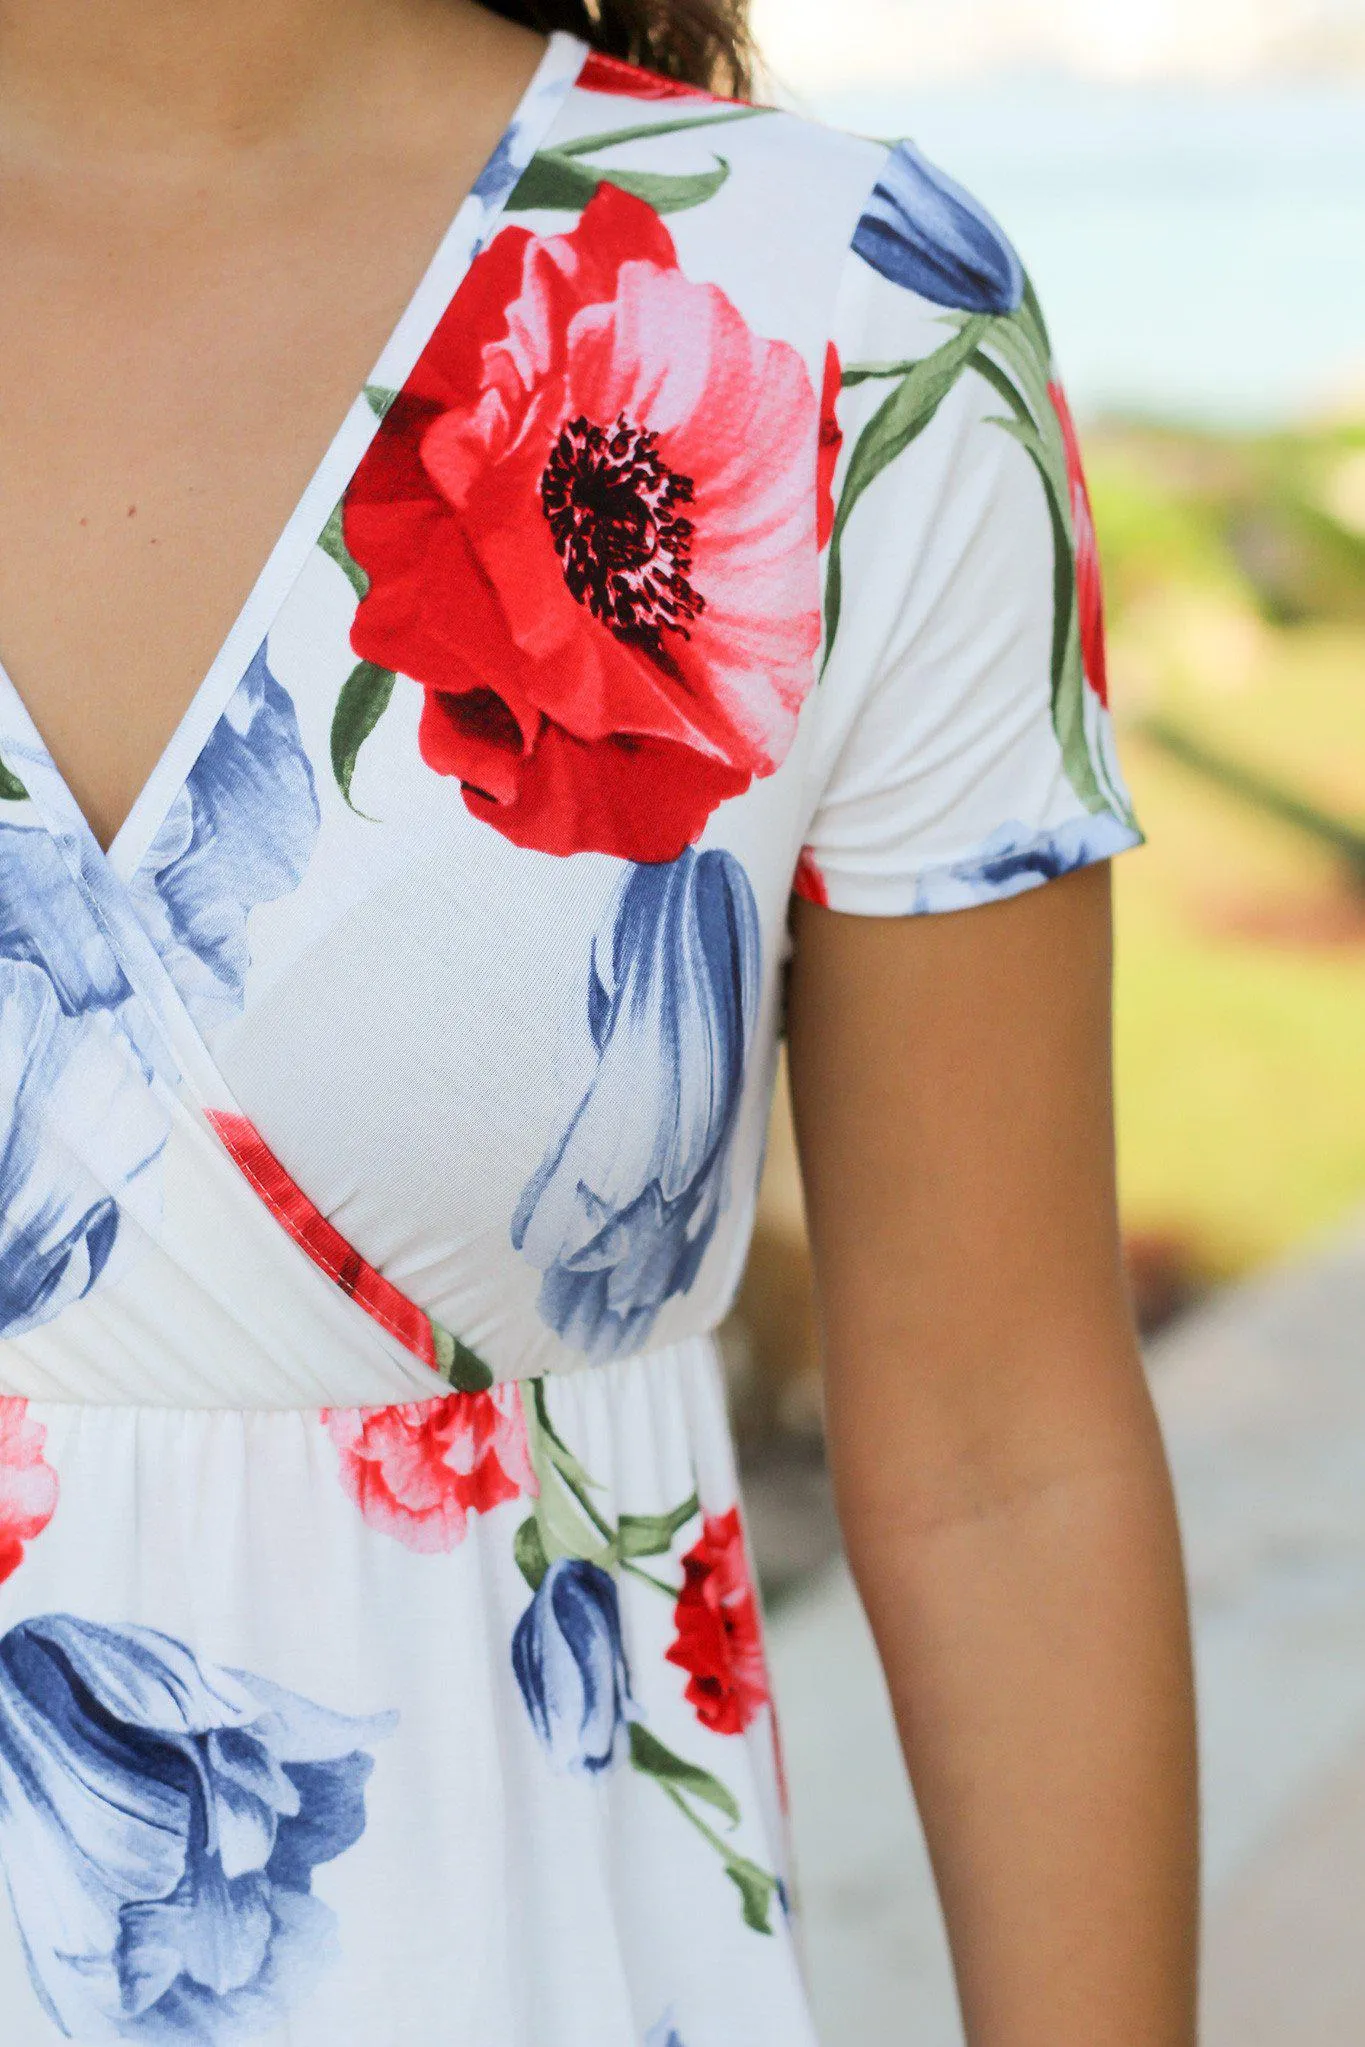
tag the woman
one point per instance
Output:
(391, 988)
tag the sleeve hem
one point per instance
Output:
(1012, 861)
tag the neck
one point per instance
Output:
(137, 77)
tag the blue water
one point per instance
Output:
(1200, 253)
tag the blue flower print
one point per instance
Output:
(44, 919)
(501, 171)
(620, 1212)
(1016, 858)
(240, 833)
(570, 1663)
(81, 1133)
(160, 1822)
(81, 1130)
(663, 2033)
(921, 230)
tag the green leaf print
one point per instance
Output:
(12, 789)
(528, 1552)
(457, 1364)
(568, 1521)
(1030, 313)
(558, 179)
(654, 1759)
(379, 398)
(902, 415)
(563, 1457)
(554, 179)
(1021, 379)
(642, 131)
(757, 1887)
(332, 541)
(362, 703)
(651, 1535)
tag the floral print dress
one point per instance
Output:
(381, 1118)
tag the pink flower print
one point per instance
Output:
(417, 1471)
(28, 1484)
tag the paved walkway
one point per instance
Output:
(1262, 1395)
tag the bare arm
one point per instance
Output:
(999, 1475)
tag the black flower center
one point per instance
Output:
(612, 505)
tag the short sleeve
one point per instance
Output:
(964, 749)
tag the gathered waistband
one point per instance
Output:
(384, 1382)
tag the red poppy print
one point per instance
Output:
(589, 531)
(1089, 597)
(719, 1640)
(601, 73)
(28, 1484)
(322, 1240)
(831, 441)
(418, 1471)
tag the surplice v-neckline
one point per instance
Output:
(469, 230)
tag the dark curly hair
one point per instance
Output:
(702, 42)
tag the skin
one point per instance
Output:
(1001, 1483)
(211, 214)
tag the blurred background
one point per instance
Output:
(1186, 182)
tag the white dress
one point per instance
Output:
(381, 1117)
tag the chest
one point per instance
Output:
(173, 363)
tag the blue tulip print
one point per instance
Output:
(240, 833)
(43, 920)
(569, 1661)
(81, 1131)
(619, 1214)
(62, 1208)
(160, 1822)
(921, 230)
(1016, 858)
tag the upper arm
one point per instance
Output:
(950, 1085)
(950, 1082)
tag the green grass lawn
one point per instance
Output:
(1236, 611)
(1241, 1100)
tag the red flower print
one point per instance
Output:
(1089, 598)
(808, 881)
(28, 1484)
(322, 1241)
(831, 440)
(601, 73)
(719, 1640)
(589, 531)
(418, 1471)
